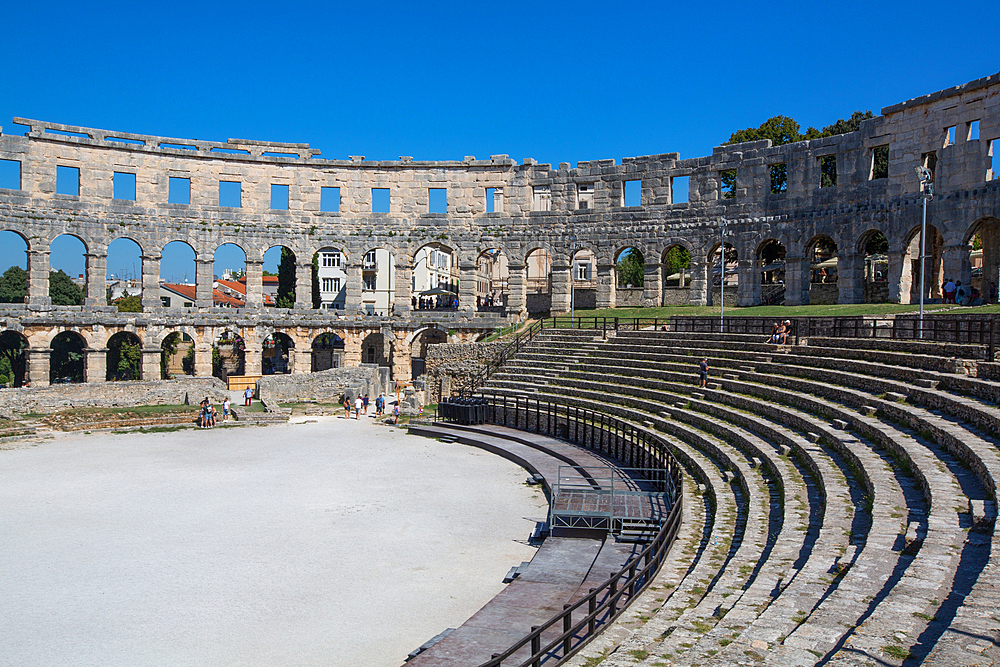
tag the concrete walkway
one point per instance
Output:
(322, 542)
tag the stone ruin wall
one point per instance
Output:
(329, 386)
(40, 400)
(451, 365)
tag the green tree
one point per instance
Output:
(66, 360)
(630, 268)
(124, 358)
(187, 363)
(779, 129)
(678, 258)
(12, 357)
(286, 280)
(13, 285)
(167, 350)
(129, 303)
(63, 291)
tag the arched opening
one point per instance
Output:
(278, 280)
(276, 357)
(66, 362)
(630, 267)
(14, 262)
(13, 357)
(676, 267)
(229, 268)
(176, 355)
(724, 275)
(538, 281)
(583, 278)
(770, 274)
(329, 279)
(124, 275)
(378, 282)
(934, 280)
(373, 350)
(984, 260)
(124, 360)
(228, 355)
(434, 277)
(492, 281)
(874, 246)
(177, 276)
(821, 252)
(67, 271)
(418, 349)
(327, 352)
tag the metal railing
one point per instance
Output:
(565, 632)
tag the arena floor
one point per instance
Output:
(333, 542)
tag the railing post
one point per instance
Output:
(591, 611)
(567, 624)
(613, 594)
(536, 647)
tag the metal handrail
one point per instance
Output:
(637, 448)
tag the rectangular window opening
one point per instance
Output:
(329, 200)
(327, 284)
(949, 135)
(437, 200)
(880, 162)
(679, 190)
(271, 154)
(632, 193)
(973, 131)
(331, 259)
(727, 184)
(993, 159)
(66, 133)
(585, 196)
(494, 200)
(779, 178)
(179, 190)
(68, 181)
(230, 151)
(124, 186)
(381, 200)
(178, 147)
(541, 198)
(279, 197)
(828, 171)
(10, 174)
(165, 301)
(132, 142)
(230, 194)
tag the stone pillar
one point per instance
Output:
(300, 360)
(652, 284)
(150, 282)
(352, 346)
(517, 297)
(97, 279)
(37, 372)
(745, 270)
(850, 278)
(900, 277)
(303, 286)
(255, 283)
(203, 287)
(253, 357)
(699, 293)
(605, 285)
(352, 296)
(958, 266)
(203, 341)
(96, 364)
(38, 283)
(798, 277)
(402, 367)
(151, 363)
(401, 304)
(561, 296)
(467, 286)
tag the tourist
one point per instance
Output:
(347, 407)
(949, 291)
(703, 373)
(225, 409)
(787, 331)
(773, 338)
(364, 402)
(211, 415)
(358, 404)
(395, 414)
(248, 396)
(203, 413)
(960, 293)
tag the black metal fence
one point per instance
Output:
(565, 632)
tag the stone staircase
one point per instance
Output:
(847, 494)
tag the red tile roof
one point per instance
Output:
(218, 298)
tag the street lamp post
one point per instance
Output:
(722, 276)
(926, 181)
(572, 281)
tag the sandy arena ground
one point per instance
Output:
(336, 542)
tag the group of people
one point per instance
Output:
(360, 407)
(439, 301)
(780, 333)
(208, 415)
(958, 294)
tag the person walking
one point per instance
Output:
(364, 402)
(347, 407)
(703, 373)
(358, 405)
(225, 409)
(949, 291)
(248, 396)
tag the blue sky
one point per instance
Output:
(558, 82)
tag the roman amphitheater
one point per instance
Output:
(831, 500)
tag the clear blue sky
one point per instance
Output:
(559, 82)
